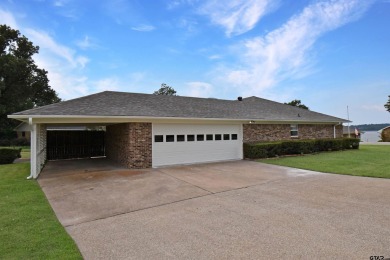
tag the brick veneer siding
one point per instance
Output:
(130, 144)
(276, 132)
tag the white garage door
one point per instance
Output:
(185, 144)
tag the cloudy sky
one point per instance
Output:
(328, 53)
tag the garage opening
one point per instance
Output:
(75, 144)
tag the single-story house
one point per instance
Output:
(385, 134)
(23, 131)
(351, 132)
(144, 130)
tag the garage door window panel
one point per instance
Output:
(158, 138)
(199, 137)
(226, 137)
(170, 138)
(218, 137)
(209, 137)
(180, 138)
(234, 136)
(190, 138)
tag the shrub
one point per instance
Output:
(266, 150)
(5, 142)
(262, 150)
(8, 155)
(21, 142)
(298, 147)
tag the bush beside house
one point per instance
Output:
(8, 155)
(272, 149)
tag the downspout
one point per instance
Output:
(31, 173)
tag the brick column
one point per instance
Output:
(130, 144)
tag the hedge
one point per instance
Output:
(15, 142)
(8, 155)
(272, 149)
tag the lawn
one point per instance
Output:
(25, 153)
(369, 160)
(29, 228)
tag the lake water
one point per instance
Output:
(370, 136)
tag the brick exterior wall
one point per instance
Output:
(130, 144)
(276, 132)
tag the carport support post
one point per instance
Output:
(33, 160)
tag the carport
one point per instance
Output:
(64, 141)
(66, 138)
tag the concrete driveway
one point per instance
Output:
(230, 210)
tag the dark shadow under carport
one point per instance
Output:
(76, 166)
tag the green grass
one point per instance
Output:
(369, 160)
(25, 153)
(29, 228)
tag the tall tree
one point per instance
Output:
(297, 103)
(22, 84)
(165, 90)
(387, 105)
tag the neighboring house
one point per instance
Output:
(385, 134)
(351, 132)
(144, 130)
(23, 131)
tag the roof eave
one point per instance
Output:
(117, 119)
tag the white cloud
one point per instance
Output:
(284, 53)
(198, 89)
(215, 57)
(176, 3)
(60, 3)
(8, 19)
(47, 43)
(107, 84)
(143, 28)
(374, 107)
(238, 16)
(63, 64)
(85, 43)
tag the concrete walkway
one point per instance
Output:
(374, 143)
(232, 210)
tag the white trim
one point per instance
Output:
(122, 119)
(33, 156)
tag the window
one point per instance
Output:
(190, 138)
(199, 137)
(170, 138)
(234, 136)
(209, 137)
(294, 130)
(180, 138)
(158, 138)
(218, 137)
(226, 137)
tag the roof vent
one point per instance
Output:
(239, 98)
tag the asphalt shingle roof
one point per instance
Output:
(110, 103)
